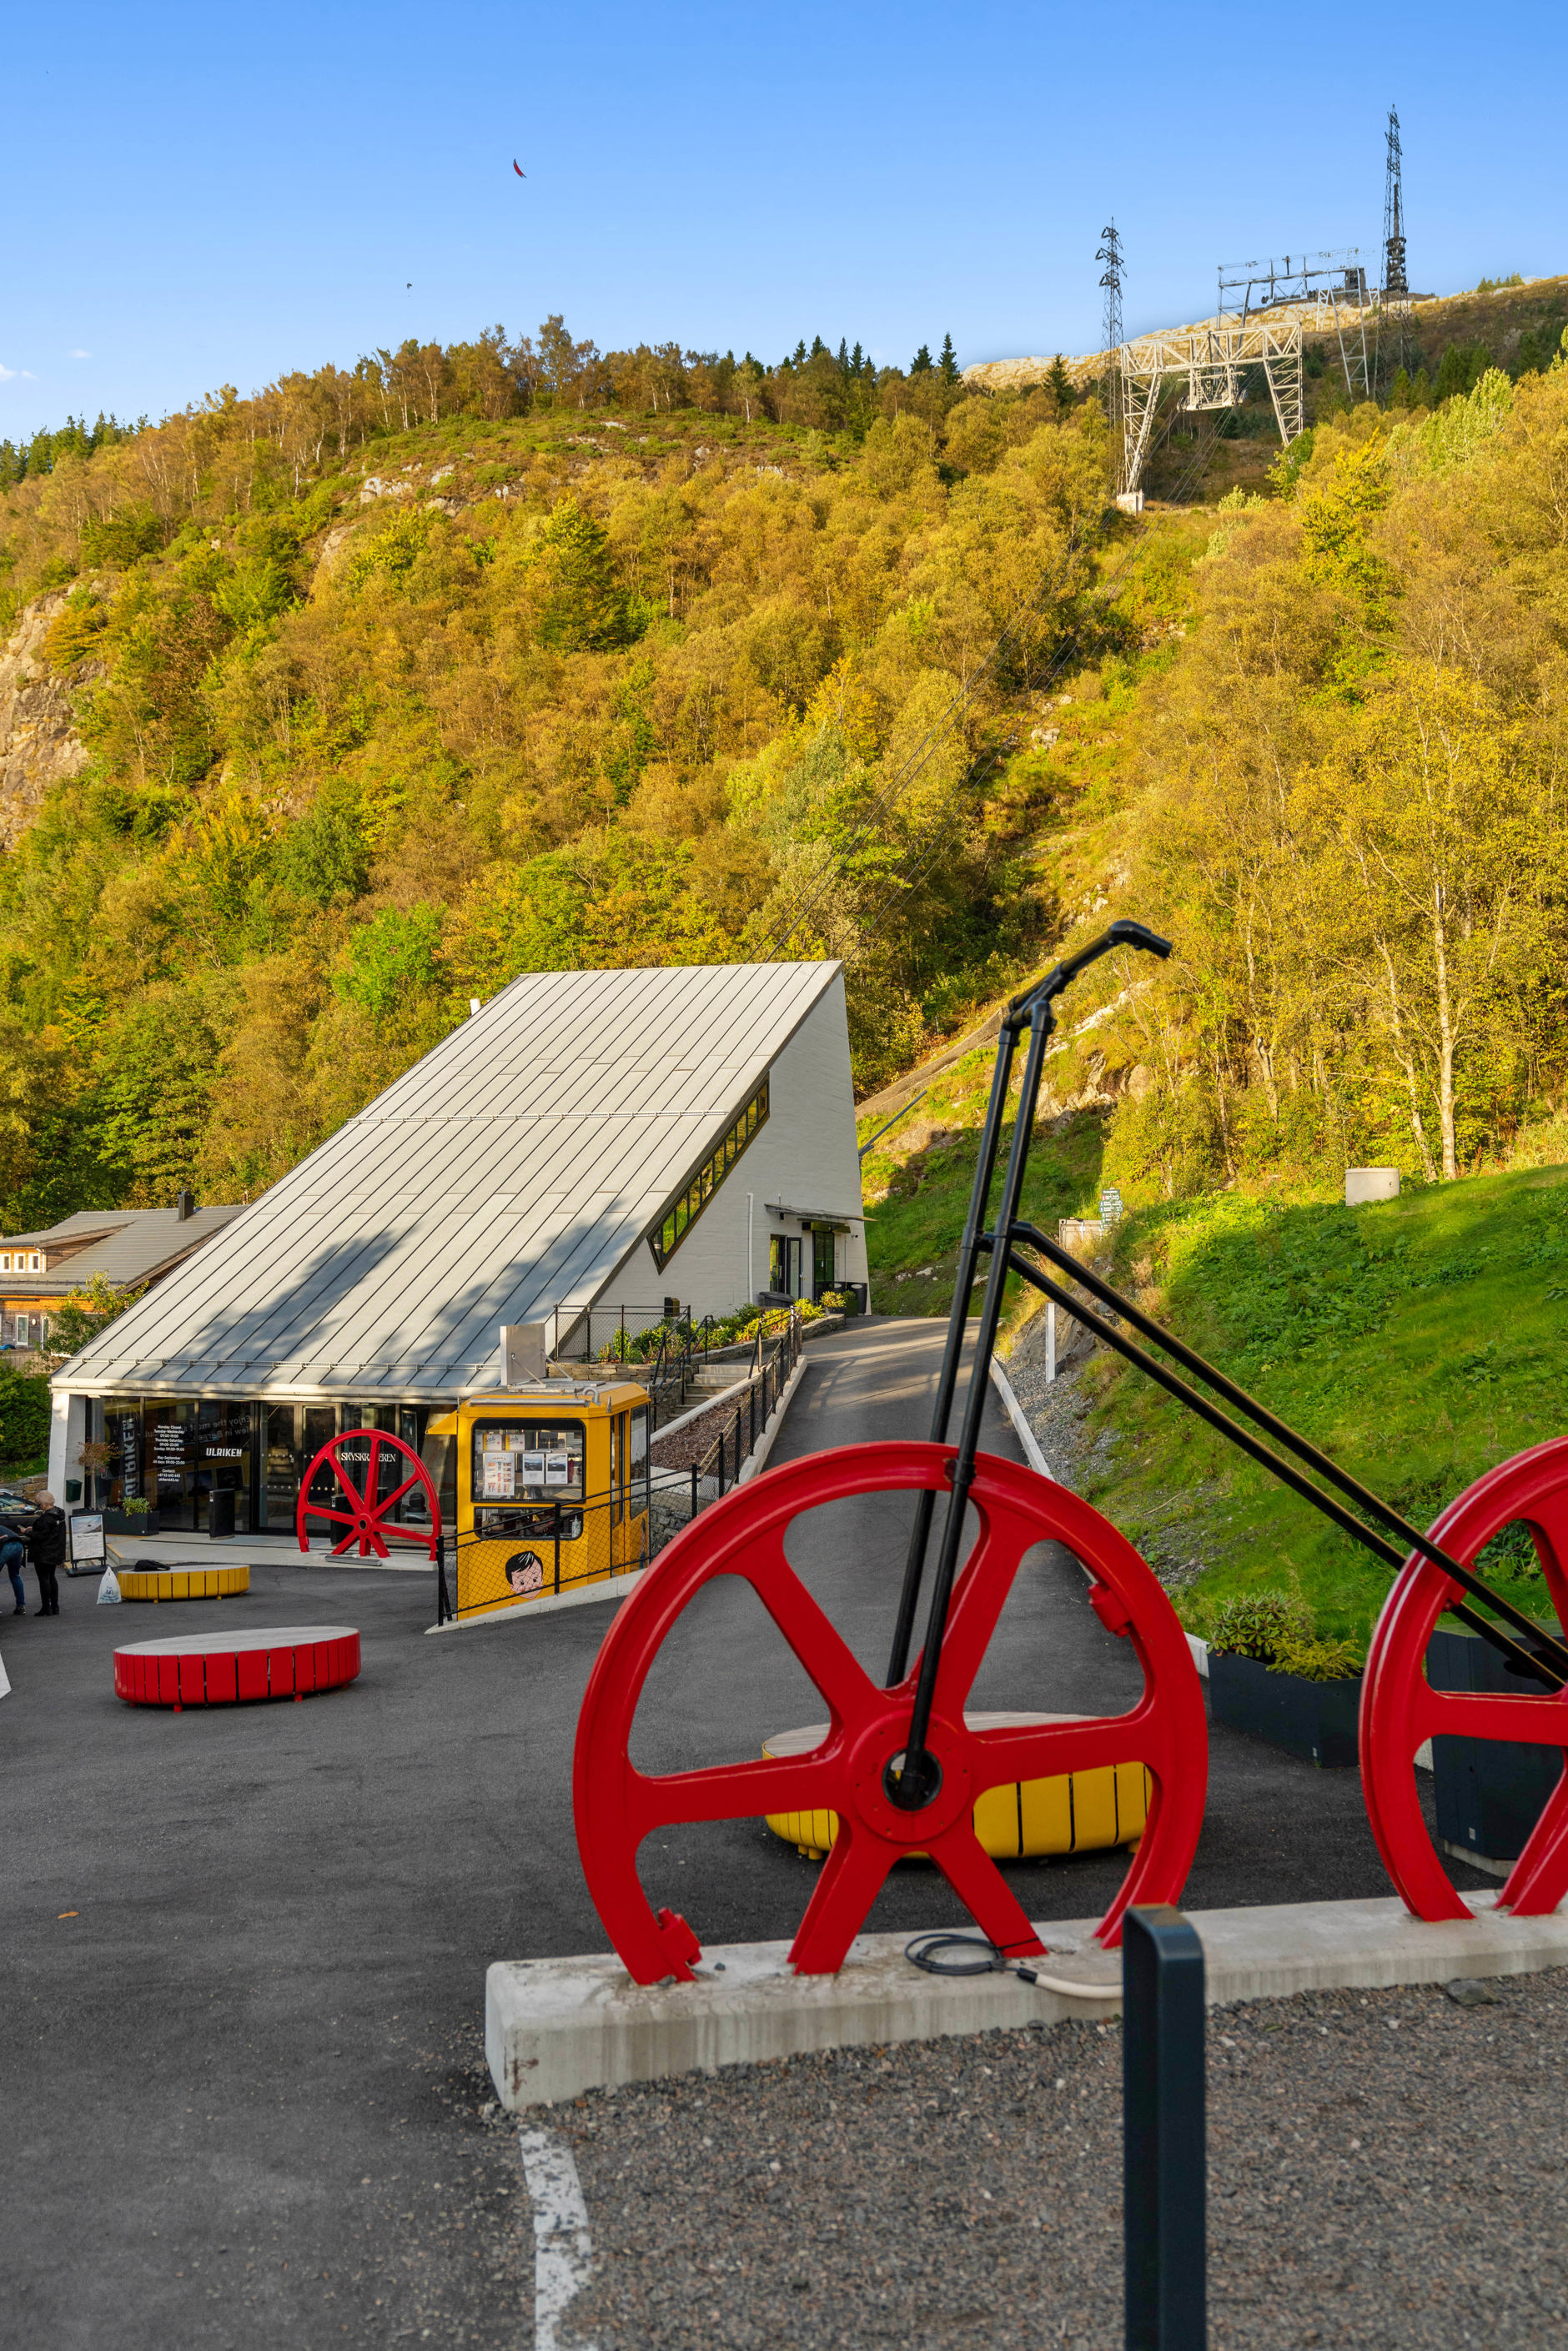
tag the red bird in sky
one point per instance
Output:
(519, 169)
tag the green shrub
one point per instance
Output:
(24, 1414)
(1312, 1660)
(1259, 1626)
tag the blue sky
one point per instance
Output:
(197, 196)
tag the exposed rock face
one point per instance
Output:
(40, 745)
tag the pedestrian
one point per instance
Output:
(13, 1551)
(47, 1548)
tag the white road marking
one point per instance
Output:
(563, 2253)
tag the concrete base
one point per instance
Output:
(554, 2028)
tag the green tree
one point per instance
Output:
(85, 1312)
(578, 604)
(947, 364)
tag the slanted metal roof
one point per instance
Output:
(505, 1177)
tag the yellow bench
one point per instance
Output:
(181, 1582)
(1078, 1811)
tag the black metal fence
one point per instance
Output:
(777, 1353)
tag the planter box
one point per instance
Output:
(1489, 1794)
(1316, 1720)
(131, 1522)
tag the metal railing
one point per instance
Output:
(776, 1355)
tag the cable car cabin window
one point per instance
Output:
(528, 1478)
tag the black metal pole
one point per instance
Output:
(1164, 2132)
(917, 1780)
(953, 1353)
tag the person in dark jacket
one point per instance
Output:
(46, 1549)
(13, 1551)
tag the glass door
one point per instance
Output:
(821, 1259)
(282, 1466)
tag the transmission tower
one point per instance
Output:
(1110, 252)
(1395, 323)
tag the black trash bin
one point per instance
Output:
(220, 1510)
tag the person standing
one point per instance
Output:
(47, 1548)
(13, 1551)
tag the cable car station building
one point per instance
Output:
(589, 1146)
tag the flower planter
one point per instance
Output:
(131, 1522)
(1316, 1720)
(1489, 1794)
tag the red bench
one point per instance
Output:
(223, 1668)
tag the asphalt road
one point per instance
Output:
(242, 2056)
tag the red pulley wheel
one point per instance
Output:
(367, 1518)
(617, 1806)
(1400, 1710)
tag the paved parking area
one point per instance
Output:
(244, 2078)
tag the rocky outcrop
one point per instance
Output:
(40, 745)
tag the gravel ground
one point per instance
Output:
(1055, 1409)
(1386, 2169)
(693, 1442)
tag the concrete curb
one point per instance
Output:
(608, 1587)
(1021, 1429)
(554, 2028)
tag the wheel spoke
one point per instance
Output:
(978, 1597)
(827, 1657)
(1539, 1878)
(344, 1518)
(396, 1496)
(1530, 1721)
(731, 1792)
(340, 1472)
(850, 1881)
(980, 1886)
(1048, 1750)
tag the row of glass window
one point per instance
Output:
(687, 1207)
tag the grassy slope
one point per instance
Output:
(1419, 1342)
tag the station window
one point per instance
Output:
(693, 1197)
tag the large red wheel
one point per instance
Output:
(368, 1518)
(1400, 1710)
(617, 1806)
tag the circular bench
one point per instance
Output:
(227, 1668)
(1079, 1812)
(148, 1582)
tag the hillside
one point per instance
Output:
(354, 715)
(1419, 1342)
(366, 715)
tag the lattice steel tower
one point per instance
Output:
(1110, 252)
(1395, 336)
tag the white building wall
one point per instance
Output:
(804, 1157)
(68, 1435)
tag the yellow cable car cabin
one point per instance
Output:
(545, 1487)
